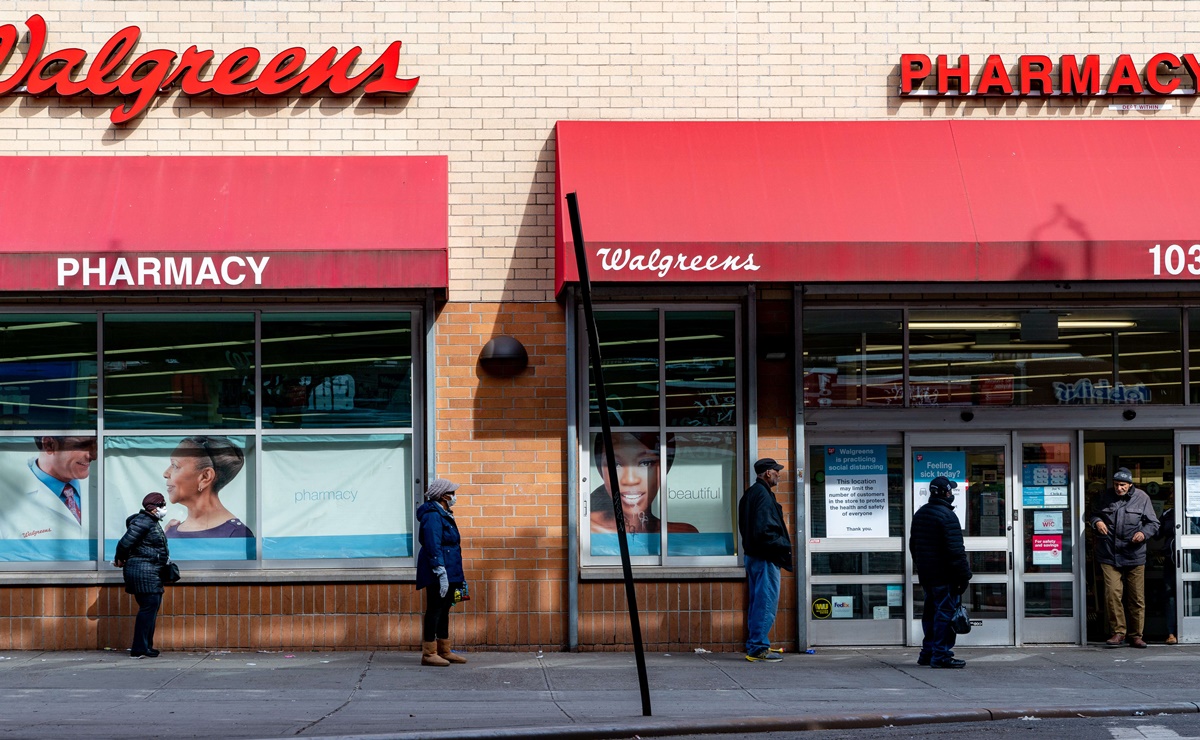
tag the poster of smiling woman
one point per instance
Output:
(207, 481)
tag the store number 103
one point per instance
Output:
(1175, 259)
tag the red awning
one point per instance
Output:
(880, 201)
(147, 223)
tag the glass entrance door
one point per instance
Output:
(1045, 510)
(981, 465)
(1182, 552)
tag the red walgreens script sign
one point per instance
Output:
(62, 72)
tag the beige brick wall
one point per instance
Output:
(495, 76)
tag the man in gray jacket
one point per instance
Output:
(1124, 519)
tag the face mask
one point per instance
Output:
(950, 499)
(451, 501)
(161, 512)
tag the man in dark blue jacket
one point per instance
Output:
(936, 544)
(767, 548)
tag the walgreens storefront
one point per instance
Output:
(976, 299)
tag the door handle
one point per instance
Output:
(1010, 561)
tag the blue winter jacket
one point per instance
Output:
(440, 545)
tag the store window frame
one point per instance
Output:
(663, 564)
(1086, 313)
(86, 571)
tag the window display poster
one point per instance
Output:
(1047, 549)
(207, 481)
(928, 465)
(1047, 522)
(37, 477)
(1033, 497)
(895, 595)
(1192, 487)
(327, 496)
(700, 494)
(856, 491)
(1044, 485)
(1045, 474)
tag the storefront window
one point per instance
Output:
(47, 371)
(208, 481)
(345, 496)
(857, 601)
(346, 370)
(179, 371)
(676, 441)
(629, 343)
(701, 368)
(853, 358)
(317, 466)
(1024, 358)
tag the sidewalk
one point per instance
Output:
(248, 695)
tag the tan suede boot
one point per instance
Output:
(444, 651)
(429, 655)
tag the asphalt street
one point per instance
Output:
(389, 694)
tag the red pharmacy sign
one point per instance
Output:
(67, 73)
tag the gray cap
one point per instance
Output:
(1123, 476)
(438, 487)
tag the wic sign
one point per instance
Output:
(112, 71)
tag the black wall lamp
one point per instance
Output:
(504, 357)
(1129, 414)
(967, 415)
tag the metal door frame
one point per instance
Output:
(1069, 628)
(934, 440)
(1189, 627)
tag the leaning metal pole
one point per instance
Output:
(585, 286)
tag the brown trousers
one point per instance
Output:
(1125, 590)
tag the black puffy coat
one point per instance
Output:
(764, 533)
(936, 543)
(144, 550)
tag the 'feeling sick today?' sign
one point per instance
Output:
(929, 465)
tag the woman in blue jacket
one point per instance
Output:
(439, 565)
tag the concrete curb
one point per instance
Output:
(653, 727)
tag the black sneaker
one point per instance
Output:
(766, 655)
(948, 663)
(152, 653)
(922, 660)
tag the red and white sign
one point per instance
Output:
(1037, 75)
(939, 201)
(222, 223)
(67, 73)
(1047, 549)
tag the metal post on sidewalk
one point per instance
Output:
(585, 286)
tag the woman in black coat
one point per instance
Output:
(142, 553)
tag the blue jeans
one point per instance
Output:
(763, 579)
(940, 603)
